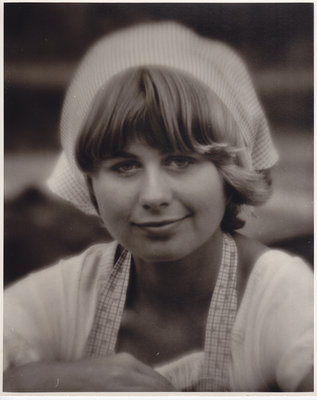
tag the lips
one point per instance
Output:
(161, 229)
(158, 224)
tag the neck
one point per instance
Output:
(182, 283)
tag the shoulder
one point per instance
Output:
(287, 278)
(259, 264)
(66, 277)
(48, 314)
(89, 265)
(98, 255)
(274, 281)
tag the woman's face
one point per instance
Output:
(160, 206)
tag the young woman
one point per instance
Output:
(164, 139)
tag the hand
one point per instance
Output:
(121, 373)
(117, 373)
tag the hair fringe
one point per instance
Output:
(171, 111)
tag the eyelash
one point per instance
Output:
(186, 160)
(120, 167)
(129, 167)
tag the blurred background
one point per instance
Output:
(43, 42)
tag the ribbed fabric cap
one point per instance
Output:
(167, 44)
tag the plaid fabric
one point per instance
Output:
(221, 316)
(111, 300)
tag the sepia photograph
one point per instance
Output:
(158, 198)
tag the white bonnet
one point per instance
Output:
(167, 44)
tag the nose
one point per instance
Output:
(155, 192)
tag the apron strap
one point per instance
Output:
(214, 376)
(220, 320)
(111, 300)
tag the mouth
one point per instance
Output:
(158, 224)
(160, 229)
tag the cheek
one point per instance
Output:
(213, 204)
(210, 198)
(113, 202)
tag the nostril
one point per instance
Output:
(155, 205)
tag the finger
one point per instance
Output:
(136, 364)
(146, 388)
(135, 383)
(154, 379)
(157, 382)
(127, 378)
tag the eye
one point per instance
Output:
(126, 168)
(179, 162)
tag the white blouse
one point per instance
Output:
(49, 314)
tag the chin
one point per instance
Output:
(161, 255)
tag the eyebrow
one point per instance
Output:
(122, 154)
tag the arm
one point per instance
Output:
(118, 373)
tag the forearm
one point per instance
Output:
(42, 377)
(119, 373)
